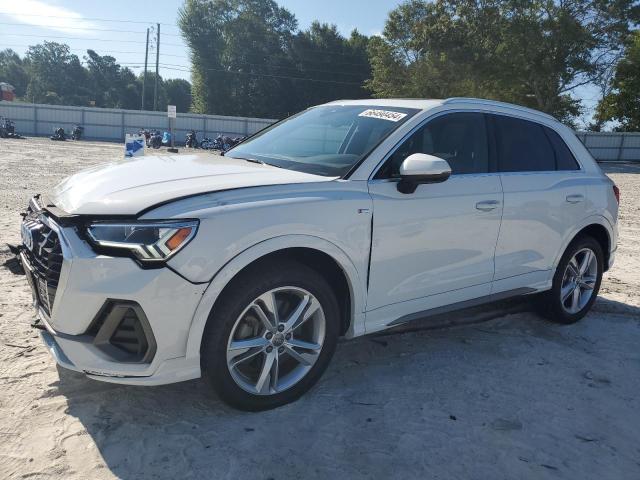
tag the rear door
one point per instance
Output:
(543, 199)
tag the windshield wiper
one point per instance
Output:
(255, 160)
(252, 160)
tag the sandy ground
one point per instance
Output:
(513, 397)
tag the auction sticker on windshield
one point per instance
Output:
(383, 115)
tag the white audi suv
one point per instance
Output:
(345, 219)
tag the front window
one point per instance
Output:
(458, 138)
(328, 140)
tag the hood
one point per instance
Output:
(126, 187)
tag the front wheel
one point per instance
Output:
(576, 282)
(271, 336)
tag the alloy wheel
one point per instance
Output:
(579, 280)
(276, 340)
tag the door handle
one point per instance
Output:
(575, 198)
(487, 205)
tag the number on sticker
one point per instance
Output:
(383, 115)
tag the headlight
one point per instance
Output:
(150, 242)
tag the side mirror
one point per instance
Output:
(421, 168)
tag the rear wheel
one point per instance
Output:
(576, 282)
(271, 337)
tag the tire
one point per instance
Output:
(570, 311)
(239, 375)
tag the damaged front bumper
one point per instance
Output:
(105, 316)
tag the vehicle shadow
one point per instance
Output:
(390, 406)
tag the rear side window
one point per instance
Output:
(564, 158)
(523, 146)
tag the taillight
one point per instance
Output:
(616, 192)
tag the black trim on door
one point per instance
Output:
(492, 141)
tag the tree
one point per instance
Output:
(56, 76)
(49, 73)
(130, 90)
(13, 71)
(178, 93)
(111, 86)
(248, 58)
(237, 55)
(531, 52)
(341, 65)
(622, 105)
(148, 93)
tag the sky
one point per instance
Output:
(82, 25)
(118, 28)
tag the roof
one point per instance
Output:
(421, 103)
(494, 103)
(427, 104)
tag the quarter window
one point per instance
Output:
(564, 158)
(523, 146)
(458, 138)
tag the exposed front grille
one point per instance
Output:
(45, 257)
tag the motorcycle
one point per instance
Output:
(155, 139)
(143, 132)
(235, 141)
(8, 129)
(166, 139)
(207, 144)
(225, 143)
(191, 141)
(77, 132)
(59, 135)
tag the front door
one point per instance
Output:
(435, 246)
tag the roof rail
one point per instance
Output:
(495, 103)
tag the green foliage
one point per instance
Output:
(322, 53)
(622, 105)
(49, 73)
(56, 75)
(229, 36)
(148, 93)
(109, 84)
(13, 71)
(178, 93)
(248, 58)
(530, 52)
(104, 78)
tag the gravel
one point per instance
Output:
(511, 397)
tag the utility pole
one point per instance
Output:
(155, 87)
(144, 75)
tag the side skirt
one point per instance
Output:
(474, 302)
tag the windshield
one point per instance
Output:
(327, 140)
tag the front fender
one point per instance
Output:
(356, 282)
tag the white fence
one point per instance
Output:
(612, 146)
(112, 124)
